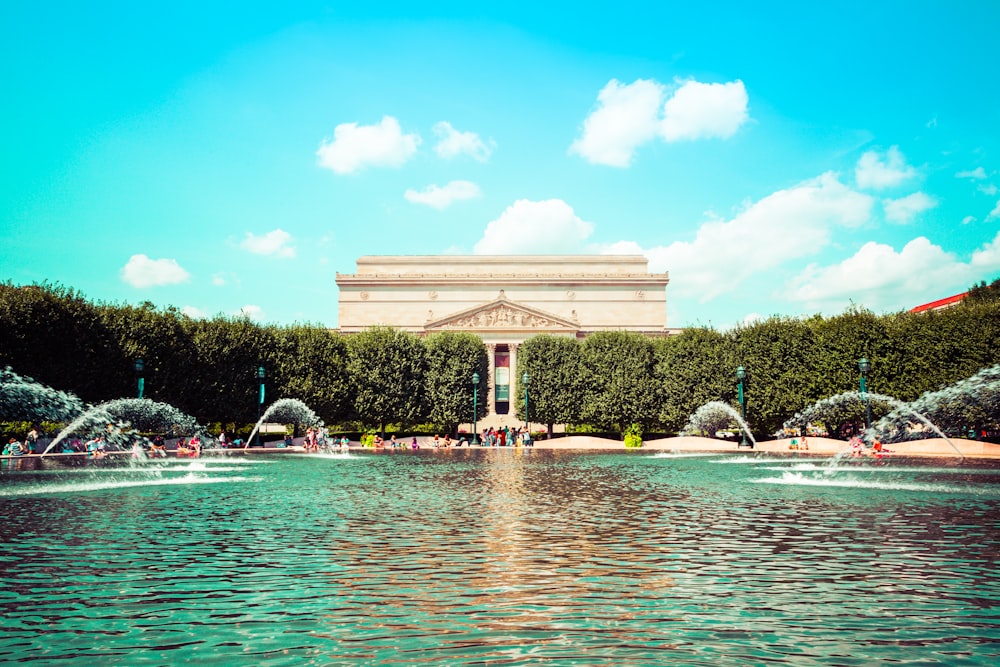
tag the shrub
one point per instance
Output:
(633, 436)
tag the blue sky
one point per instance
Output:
(223, 158)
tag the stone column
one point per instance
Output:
(491, 350)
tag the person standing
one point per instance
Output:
(31, 440)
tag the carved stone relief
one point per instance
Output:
(503, 316)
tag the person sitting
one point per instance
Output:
(414, 444)
(447, 440)
(345, 443)
(157, 448)
(184, 449)
(378, 442)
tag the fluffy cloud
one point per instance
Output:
(453, 143)
(442, 197)
(705, 110)
(251, 311)
(987, 258)
(904, 210)
(976, 174)
(626, 117)
(194, 312)
(141, 271)
(535, 227)
(880, 277)
(995, 213)
(629, 115)
(783, 226)
(877, 172)
(357, 146)
(988, 189)
(275, 243)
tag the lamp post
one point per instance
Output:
(864, 367)
(140, 381)
(475, 408)
(741, 376)
(526, 379)
(261, 376)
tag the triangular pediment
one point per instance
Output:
(504, 315)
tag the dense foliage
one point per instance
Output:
(610, 380)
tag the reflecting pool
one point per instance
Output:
(505, 557)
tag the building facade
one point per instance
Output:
(504, 300)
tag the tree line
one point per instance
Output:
(381, 376)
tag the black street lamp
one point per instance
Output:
(864, 367)
(741, 376)
(526, 379)
(475, 408)
(261, 376)
(140, 369)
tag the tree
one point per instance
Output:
(619, 370)
(983, 293)
(452, 358)
(779, 357)
(554, 364)
(57, 337)
(310, 364)
(223, 383)
(692, 369)
(386, 368)
(161, 340)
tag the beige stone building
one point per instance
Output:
(504, 300)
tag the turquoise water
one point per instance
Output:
(501, 558)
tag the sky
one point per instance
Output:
(775, 158)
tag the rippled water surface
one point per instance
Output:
(501, 558)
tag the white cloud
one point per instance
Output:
(276, 243)
(877, 172)
(976, 174)
(705, 110)
(535, 227)
(783, 226)
(905, 209)
(141, 271)
(879, 277)
(194, 312)
(630, 115)
(453, 143)
(356, 146)
(995, 213)
(442, 197)
(250, 311)
(625, 118)
(988, 189)
(967, 219)
(987, 258)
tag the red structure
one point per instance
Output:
(940, 304)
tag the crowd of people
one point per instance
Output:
(15, 447)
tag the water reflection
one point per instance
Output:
(500, 556)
